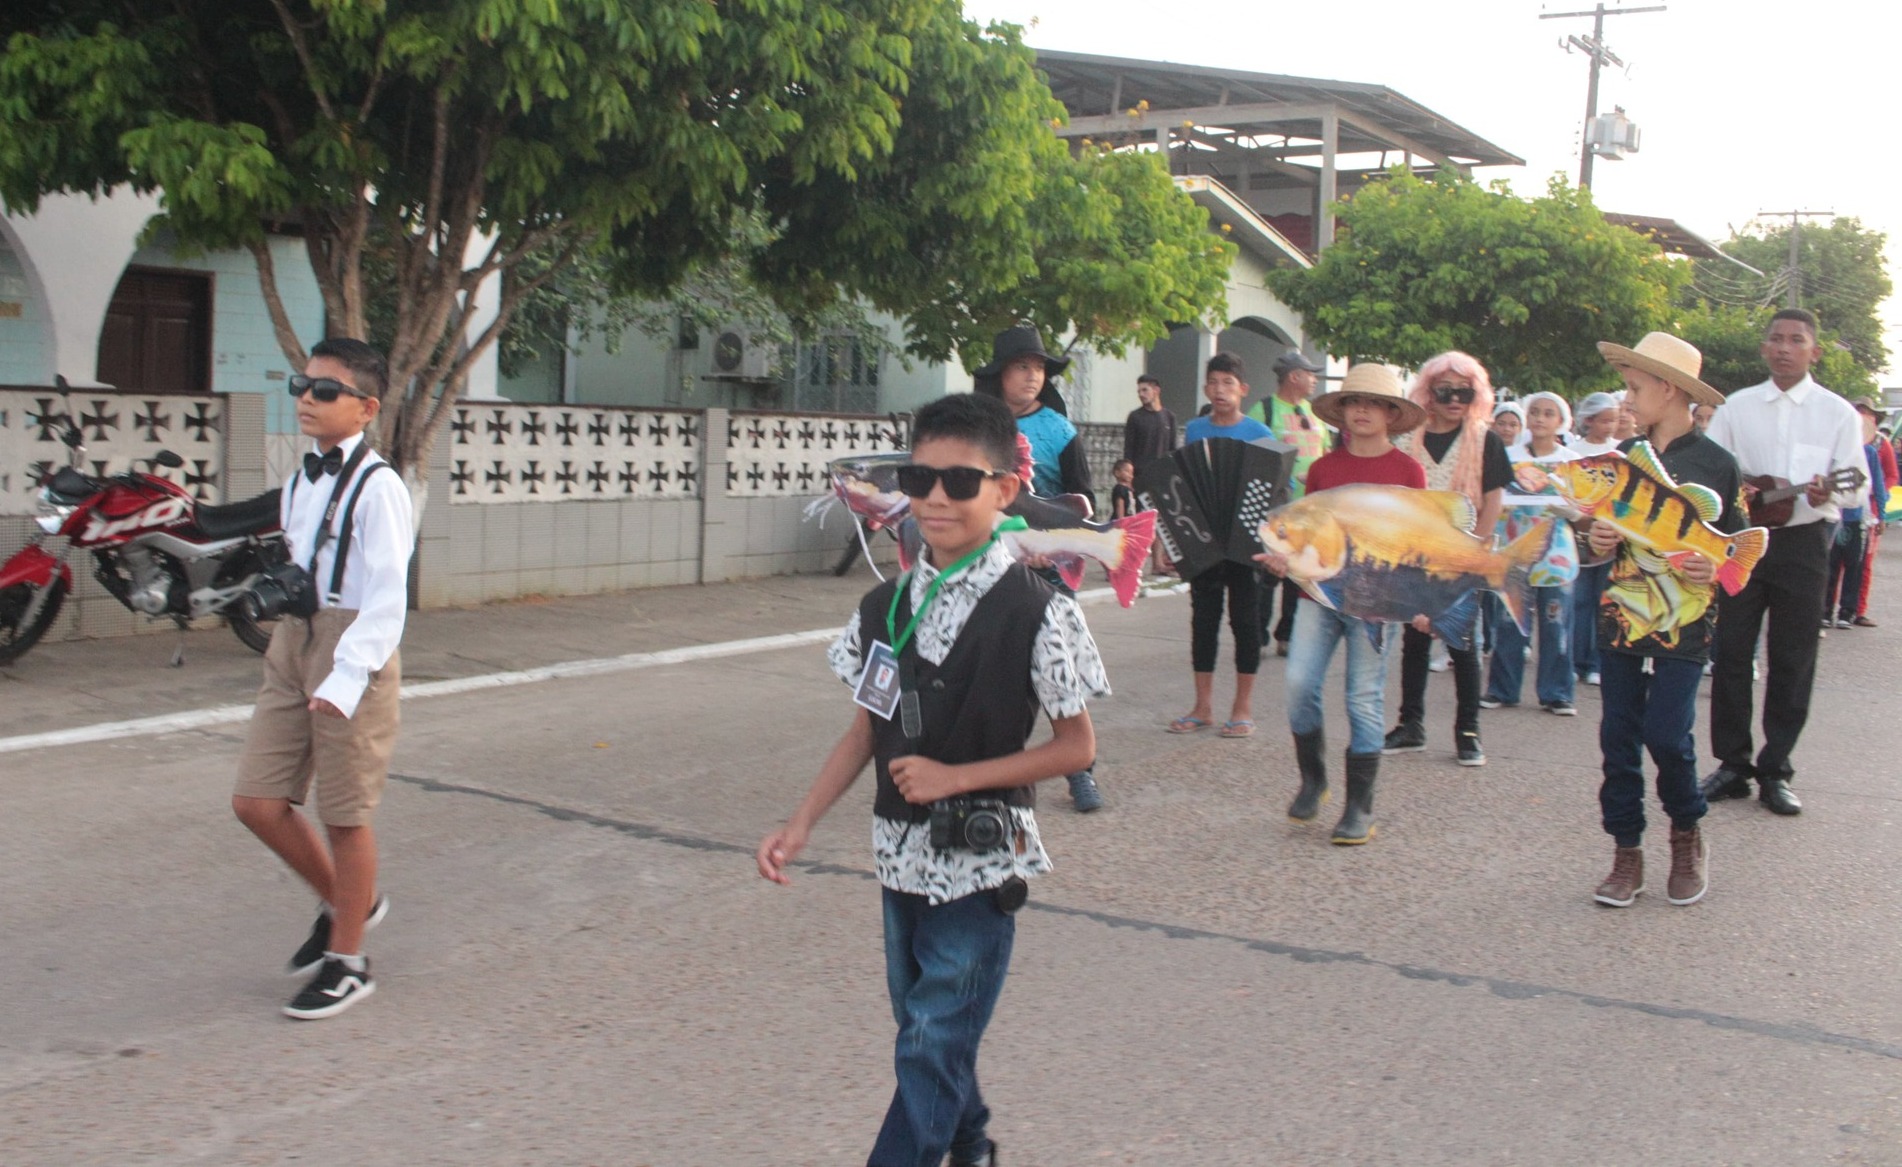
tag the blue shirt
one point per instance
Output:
(1049, 432)
(1245, 430)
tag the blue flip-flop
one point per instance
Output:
(1189, 724)
(1242, 728)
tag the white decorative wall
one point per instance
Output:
(778, 455)
(536, 453)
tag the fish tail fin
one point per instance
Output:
(910, 542)
(1746, 548)
(1455, 625)
(1522, 554)
(1070, 571)
(1126, 574)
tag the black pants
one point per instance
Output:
(1789, 585)
(1416, 650)
(1846, 556)
(1283, 628)
(1238, 582)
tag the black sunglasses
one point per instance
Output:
(324, 389)
(1460, 393)
(960, 482)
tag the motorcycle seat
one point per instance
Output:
(73, 486)
(239, 518)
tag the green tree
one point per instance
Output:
(1841, 276)
(1526, 285)
(1730, 336)
(422, 147)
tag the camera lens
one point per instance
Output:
(984, 830)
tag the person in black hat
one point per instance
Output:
(1023, 373)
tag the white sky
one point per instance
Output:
(1745, 106)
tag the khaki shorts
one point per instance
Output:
(289, 745)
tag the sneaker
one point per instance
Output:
(1439, 664)
(987, 1159)
(1559, 709)
(1083, 793)
(1690, 868)
(1470, 752)
(1626, 881)
(1845, 622)
(311, 953)
(1592, 678)
(1494, 703)
(334, 989)
(1864, 622)
(1409, 737)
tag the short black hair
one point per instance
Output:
(1147, 379)
(365, 363)
(1226, 363)
(1802, 316)
(983, 421)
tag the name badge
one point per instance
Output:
(878, 688)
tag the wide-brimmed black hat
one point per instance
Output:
(1017, 342)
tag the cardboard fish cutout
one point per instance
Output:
(1634, 493)
(1059, 529)
(1390, 553)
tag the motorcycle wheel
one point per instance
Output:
(256, 634)
(15, 639)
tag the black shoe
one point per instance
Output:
(1776, 794)
(1357, 814)
(1083, 793)
(1409, 737)
(987, 1159)
(1470, 752)
(334, 989)
(1310, 757)
(1724, 782)
(311, 954)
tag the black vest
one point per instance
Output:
(978, 704)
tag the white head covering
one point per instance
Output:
(1594, 405)
(1565, 408)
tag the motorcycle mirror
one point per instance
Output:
(59, 382)
(168, 459)
(73, 438)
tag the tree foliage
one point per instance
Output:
(1842, 277)
(1526, 285)
(894, 152)
(1730, 337)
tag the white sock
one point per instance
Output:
(354, 961)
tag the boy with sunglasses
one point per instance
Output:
(326, 714)
(951, 664)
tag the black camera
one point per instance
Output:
(969, 824)
(283, 589)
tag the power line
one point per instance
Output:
(1600, 53)
(1796, 234)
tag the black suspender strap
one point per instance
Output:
(336, 496)
(343, 537)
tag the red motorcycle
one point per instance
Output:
(155, 548)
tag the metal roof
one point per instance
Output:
(1374, 118)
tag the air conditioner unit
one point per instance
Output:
(737, 355)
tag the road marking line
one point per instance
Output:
(565, 670)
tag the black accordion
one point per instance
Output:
(1210, 496)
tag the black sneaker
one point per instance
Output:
(1470, 753)
(1561, 709)
(334, 989)
(987, 1159)
(311, 954)
(1409, 737)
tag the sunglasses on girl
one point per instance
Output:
(960, 482)
(1460, 393)
(324, 389)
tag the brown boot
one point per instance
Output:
(1690, 868)
(1626, 880)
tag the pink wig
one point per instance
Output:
(1471, 448)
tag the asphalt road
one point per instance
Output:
(581, 967)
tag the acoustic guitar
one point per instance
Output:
(1775, 499)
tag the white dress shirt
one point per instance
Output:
(1794, 434)
(376, 575)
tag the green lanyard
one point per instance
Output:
(900, 640)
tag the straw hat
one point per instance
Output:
(1370, 380)
(1663, 355)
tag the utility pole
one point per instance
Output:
(1792, 274)
(1594, 47)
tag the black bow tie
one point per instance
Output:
(317, 465)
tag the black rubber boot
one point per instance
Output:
(1357, 816)
(1310, 753)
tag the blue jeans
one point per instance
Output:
(1587, 589)
(945, 966)
(1655, 712)
(1316, 631)
(1552, 620)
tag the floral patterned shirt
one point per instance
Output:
(1066, 671)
